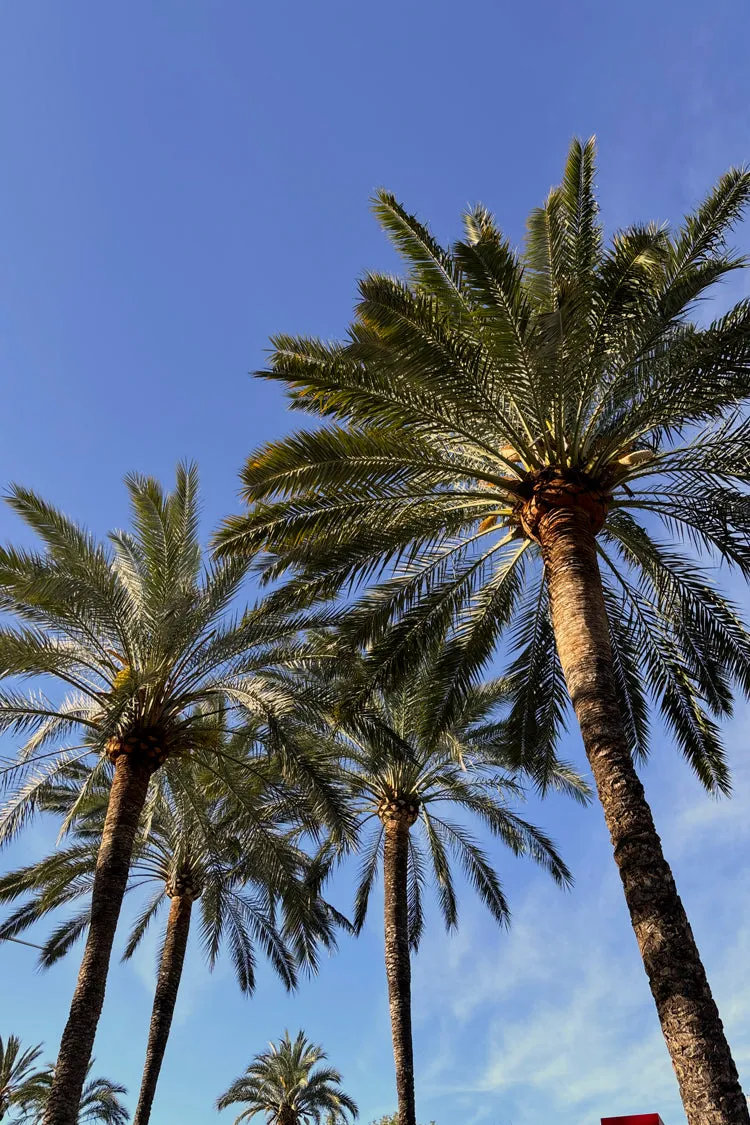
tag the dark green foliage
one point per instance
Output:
(455, 388)
(233, 852)
(387, 757)
(287, 1086)
(24, 1090)
(145, 637)
(100, 1101)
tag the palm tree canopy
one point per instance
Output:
(145, 639)
(100, 1101)
(489, 385)
(229, 845)
(286, 1084)
(436, 782)
(18, 1077)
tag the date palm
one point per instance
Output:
(145, 638)
(18, 1077)
(286, 1084)
(100, 1101)
(235, 857)
(412, 795)
(512, 435)
(389, 1119)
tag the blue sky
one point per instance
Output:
(182, 179)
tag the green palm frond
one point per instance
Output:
(286, 1084)
(392, 755)
(140, 637)
(461, 386)
(230, 839)
(19, 1080)
(100, 1100)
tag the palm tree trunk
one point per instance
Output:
(168, 982)
(397, 959)
(706, 1073)
(126, 800)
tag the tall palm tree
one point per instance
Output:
(100, 1101)
(283, 1084)
(18, 1077)
(253, 883)
(145, 638)
(510, 431)
(412, 795)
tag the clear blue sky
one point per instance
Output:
(182, 179)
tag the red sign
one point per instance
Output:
(634, 1119)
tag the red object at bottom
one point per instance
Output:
(634, 1119)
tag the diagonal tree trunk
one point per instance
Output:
(126, 801)
(167, 985)
(706, 1073)
(397, 956)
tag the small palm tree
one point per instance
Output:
(235, 857)
(100, 1101)
(146, 640)
(412, 795)
(510, 432)
(283, 1084)
(389, 1119)
(18, 1078)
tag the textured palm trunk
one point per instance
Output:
(126, 800)
(397, 959)
(707, 1076)
(167, 985)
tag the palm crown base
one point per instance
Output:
(145, 748)
(553, 488)
(399, 810)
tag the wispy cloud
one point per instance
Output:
(554, 1020)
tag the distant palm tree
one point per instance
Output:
(100, 1102)
(509, 432)
(236, 857)
(146, 637)
(389, 1119)
(18, 1077)
(282, 1084)
(413, 793)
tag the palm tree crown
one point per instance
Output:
(283, 1084)
(491, 386)
(234, 855)
(142, 635)
(100, 1101)
(18, 1078)
(393, 771)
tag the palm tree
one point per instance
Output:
(283, 1084)
(193, 845)
(412, 795)
(509, 433)
(389, 1119)
(18, 1078)
(146, 640)
(100, 1101)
